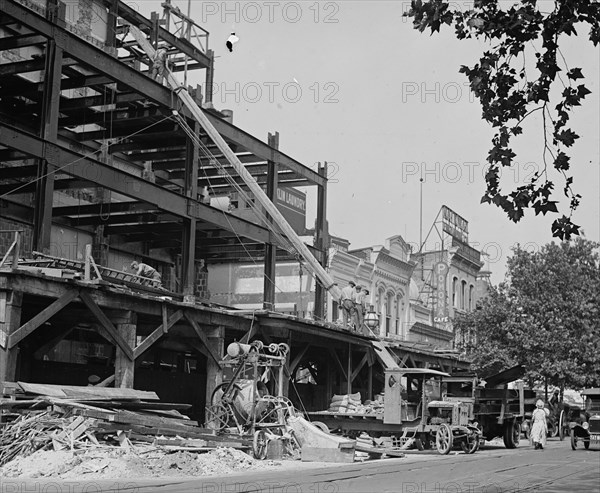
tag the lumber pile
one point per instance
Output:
(41, 416)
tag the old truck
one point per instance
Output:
(499, 411)
(415, 412)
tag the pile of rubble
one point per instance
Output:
(79, 420)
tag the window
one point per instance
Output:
(463, 294)
(389, 309)
(454, 293)
(471, 296)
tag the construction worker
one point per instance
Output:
(347, 303)
(359, 308)
(144, 270)
(159, 64)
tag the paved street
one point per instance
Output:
(556, 469)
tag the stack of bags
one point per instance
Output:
(348, 403)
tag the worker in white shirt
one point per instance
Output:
(347, 303)
(359, 308)
(144, 270)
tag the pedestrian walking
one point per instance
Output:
(347, 303)
(539, 426)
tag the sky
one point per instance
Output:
(352, 83)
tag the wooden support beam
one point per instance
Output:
(156, 335)
(403, 361)
(126, 325)
(349, 374)
(298, 358)
(10, 319)
(41, 318)
(106, 323)
(359, 367)
(339, 363)
(214, 372)
(202, 336)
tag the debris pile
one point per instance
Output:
(143, 461)
(57, 417)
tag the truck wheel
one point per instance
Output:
(573, 440)
(470, 444)
(512, 433)
(443, 439)
(561, 425)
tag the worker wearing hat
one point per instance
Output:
(144, 270)
(539, 426)
(347, 301)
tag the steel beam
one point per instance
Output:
(22, 41)
(96, 59)
(86, 168)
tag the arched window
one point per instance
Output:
(471, 297)
(463, 294)
(389, 310)
(454, 292)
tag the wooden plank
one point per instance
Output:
(130, 417)
(202, 336)
(298, 358)
(339, 363)
(156, 335)
(107, 324)
(314, 454)
(359, 367)
(382, 352)
(62, 391)
(42, 317)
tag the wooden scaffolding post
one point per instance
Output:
(10, 320)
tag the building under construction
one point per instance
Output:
(101, 164)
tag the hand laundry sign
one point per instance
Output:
(292, 205)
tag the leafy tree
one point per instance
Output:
(509, 90)
(546, 316)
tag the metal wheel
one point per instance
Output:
(259, 444)
(470, 444)
(561, 425)
(443, 439)
(217, 417)
(512, 433)
(574, 440)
